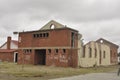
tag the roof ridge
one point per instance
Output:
(108, 41)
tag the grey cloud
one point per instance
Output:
(74, 10)
(93, 18)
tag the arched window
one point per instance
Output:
(52, 26)
(101, 41)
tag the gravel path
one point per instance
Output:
(94, 76)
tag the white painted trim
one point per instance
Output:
(15, 56)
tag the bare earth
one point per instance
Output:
(94, 76)
(91, 76)
(11, 77)
(12, 71)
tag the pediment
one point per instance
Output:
(52, 25)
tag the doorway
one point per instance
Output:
(40, 56)
(15, 57)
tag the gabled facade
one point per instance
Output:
(52, 25)
(95, 54)
(8, 51)
(54, 44)
(113, 50)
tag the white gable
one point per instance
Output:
(12, 46)
(52, 25)
(4, 46)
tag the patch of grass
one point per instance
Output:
(48, 71)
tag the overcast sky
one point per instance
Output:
(93, 18)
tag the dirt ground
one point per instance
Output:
(11, 77)
(12, 71)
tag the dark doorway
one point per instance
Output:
(40, 56)
(15, 57)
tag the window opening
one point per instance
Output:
(52, 26)
(49, 50)
(56, 50)
(64, 50)
(90, 52)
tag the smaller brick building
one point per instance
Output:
(95, 54)
(54, 44)
(8, 51)
(113, 50)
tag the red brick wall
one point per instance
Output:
(73, 57)
(57, 59)
(58, 39)
(7, 57)
(26, 40)
(67, 59)
(26, 58)
(114, 55)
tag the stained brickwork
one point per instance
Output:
(7, 56)
(55, 47)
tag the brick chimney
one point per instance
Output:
(8, 42)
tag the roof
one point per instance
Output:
(7, 51)
(50, 23)
(108, 42)
(14, 41)
(89, 43)
(47, 27)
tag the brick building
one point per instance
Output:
(99, 53)
(57, 45)
(54, 44)
(95, 54)
(8, 51)
(113, 50)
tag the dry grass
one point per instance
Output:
(46, 71)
